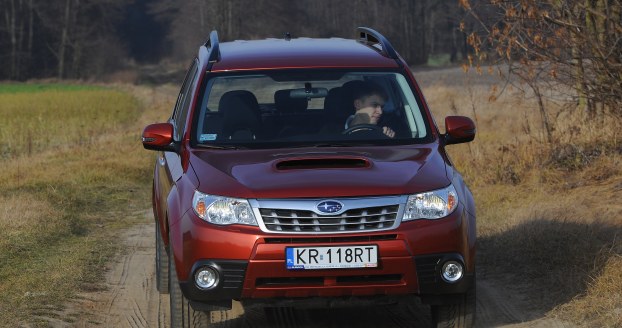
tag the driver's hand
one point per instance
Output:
(388, 132)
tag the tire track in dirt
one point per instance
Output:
(130, 299)
(130, 309)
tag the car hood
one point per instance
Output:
(335, 172)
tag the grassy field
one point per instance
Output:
(73, 174)
(549, 215)
(36, 118)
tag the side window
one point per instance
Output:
(183, 102)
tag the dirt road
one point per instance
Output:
(131, 300)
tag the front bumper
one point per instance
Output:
(410, 260)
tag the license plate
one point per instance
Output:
(342, 257)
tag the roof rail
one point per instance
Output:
(372, 37)
(213, 47)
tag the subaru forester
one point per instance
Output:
(265, 191)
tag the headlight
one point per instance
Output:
(431, 205)
(223, 210)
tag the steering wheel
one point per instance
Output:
(363, 128)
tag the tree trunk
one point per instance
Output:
(583, 102)
(64, 40)
(202, 16)
(405, 17)
(77, 44)
(20, 41)
(453, 56)
(229, 19)
(419, 49)
(10, 18)
(31, 21)
(546, 125)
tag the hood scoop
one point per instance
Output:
(323, 163)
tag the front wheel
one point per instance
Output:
(461, 314)
(182, 314)
(161, 262)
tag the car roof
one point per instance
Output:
(299, 53)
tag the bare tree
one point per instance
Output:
(18, 30)
(576, 44)
(33, 31)
(409, 24)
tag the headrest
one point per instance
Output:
(352, 86)
(338, 105)
(246, 96)
(286, 104)
(241, 115)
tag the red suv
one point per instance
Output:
(309, 171)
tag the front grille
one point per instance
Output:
(354, 220)
(319, 280)
(276, 281)
(330, 240)
(384, 279)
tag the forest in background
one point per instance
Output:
(86, 39)
(573, 47)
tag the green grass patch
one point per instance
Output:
(439, 60)
(40, 87)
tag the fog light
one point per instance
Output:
(452, 271)
(206, 278)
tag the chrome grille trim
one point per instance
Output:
(300, 216)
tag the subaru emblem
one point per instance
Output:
(329, 206)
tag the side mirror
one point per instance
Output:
(459, 129)
(159, 136)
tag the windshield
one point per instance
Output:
(301, 108)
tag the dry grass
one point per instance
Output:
(549, 218)
(67, 190)
(603, 299)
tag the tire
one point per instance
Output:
(161, 262)
(182, 314)
(458, 315)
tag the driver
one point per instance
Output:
(369, 99)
